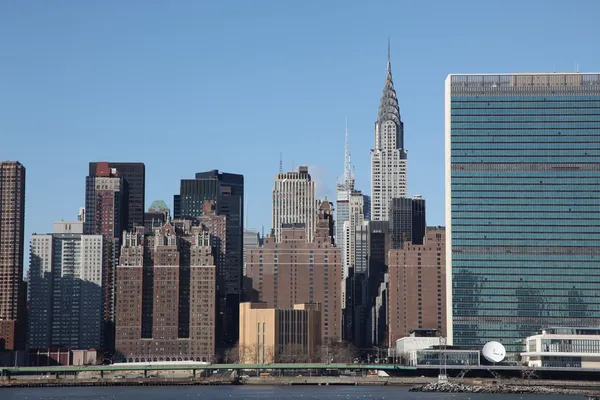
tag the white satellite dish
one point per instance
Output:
(494, 352)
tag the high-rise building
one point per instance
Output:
(252, 239)
(367, 210)
(364, 317)
(388, 157)
(134, 180)
(106, 215)
(417, 286)
(343, 192)
(226, 191)
(294, 202)
(295, 270)
(407, 221)
(355, 219)
(65, 288)
(12, 228)
(522, 215)
(166, 286)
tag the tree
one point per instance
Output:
(338, 352)
(232, 355)
(292, 353)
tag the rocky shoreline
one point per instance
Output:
(448, 387)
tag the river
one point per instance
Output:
(251, 393)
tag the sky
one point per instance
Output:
(189, 85)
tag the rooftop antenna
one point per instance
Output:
(577, 67)
(554, 66)
(263, 232)
(389, 63)
(347, 163)
(280, 162)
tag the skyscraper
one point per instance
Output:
(407, 221)
(388, 157)
(65, 288)
(106, 215)
(294, 202)
(134, 177)
(343, 192)
(12, 225)
(227, 190)
(294, 270)
(355, 219)
(523, 222)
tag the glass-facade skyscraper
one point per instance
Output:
(522, 205)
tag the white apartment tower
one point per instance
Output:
(65, 288)
(294, 202)
(388, 157)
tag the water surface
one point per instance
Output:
(252, 393)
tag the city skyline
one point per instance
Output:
(87, 89)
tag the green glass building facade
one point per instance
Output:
(522, 205)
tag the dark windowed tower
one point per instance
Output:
(227, 190)
(134, 177)
(407, 221)
(12, 222)
(106, 214)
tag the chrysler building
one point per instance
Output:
(388, 157)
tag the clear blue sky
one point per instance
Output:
(188, 86)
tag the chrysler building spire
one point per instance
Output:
(388, 157)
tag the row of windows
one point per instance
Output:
(507, 118)
(502, 205)
(523, 130)
(546, 137)
(525, 268)
(517, 153)
(526, 231)
(540, 159)
(462, 281)
(502, 109)
(522, 146)
(504, 201)
(531, 242)
(519, 100)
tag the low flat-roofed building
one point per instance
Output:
(433, 356)
(419, 339)
(563, 347)
(269, 335)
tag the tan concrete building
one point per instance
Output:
(166, 292)
(417, 286)
(269, 335)
(295, 271)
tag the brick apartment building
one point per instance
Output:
(166, 295)
(296, 270)
(417, 286)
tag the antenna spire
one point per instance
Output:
(280, 162)
(347, 167)
(389, 63)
